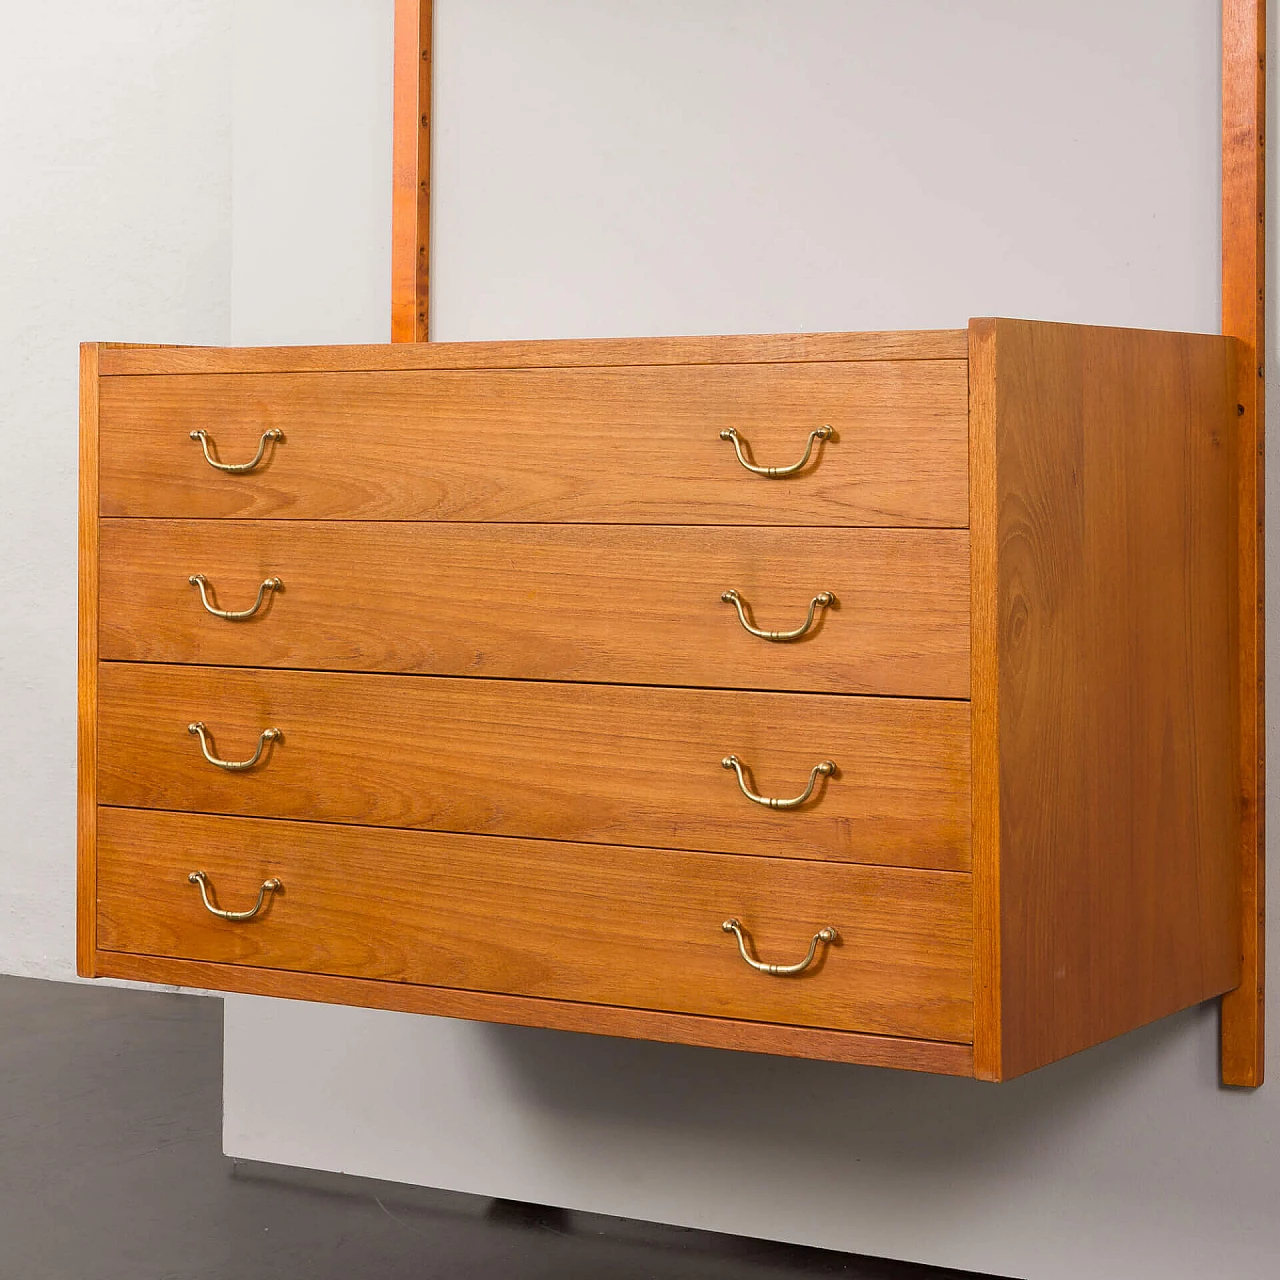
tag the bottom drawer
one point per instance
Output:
(599, 924)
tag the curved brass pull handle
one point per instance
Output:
(827, 935)
(235, 766)
(823, 770)
(237, 467)
(268, 886)
(731, 433)
(233, 615)
(823, 600)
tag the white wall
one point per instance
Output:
(311, 174)
(115, 215)
(608, 167)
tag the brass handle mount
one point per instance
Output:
(268, 886)
(775, 473)
(827, 935)
(238, 468)
(822, 770)
(823, 600)
(234, 766)
(233, 615)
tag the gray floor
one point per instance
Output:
(111, 1169)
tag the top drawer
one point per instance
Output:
(635, 444)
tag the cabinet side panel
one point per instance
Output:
(1119, 718)
(87, 674)
(985, 699)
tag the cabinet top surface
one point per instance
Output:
(937, 344)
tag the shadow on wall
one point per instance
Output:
(886, 1116)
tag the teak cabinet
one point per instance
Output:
(872, 697)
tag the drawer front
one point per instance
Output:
(592, 923)
(637, 445)
(626, 604)
(615, 764)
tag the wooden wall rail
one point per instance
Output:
(411, 190)
(1244, 108)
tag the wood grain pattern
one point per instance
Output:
(934, 1056)
(1118, 715)
(621, 604)
(786, 348)
(610, 763)
(1244, 111)
(411, 180)
(87, 670)
(639, 445)
(591, 923)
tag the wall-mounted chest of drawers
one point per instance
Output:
(866, 696)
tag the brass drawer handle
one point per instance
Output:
(268, 735)
(823, 600)
(823, 770)
(827, 935)
(238, 467)
(731, 433)
(268, 886)
(233, 615)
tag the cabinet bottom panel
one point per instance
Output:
(933, 1056)
(591, 924)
